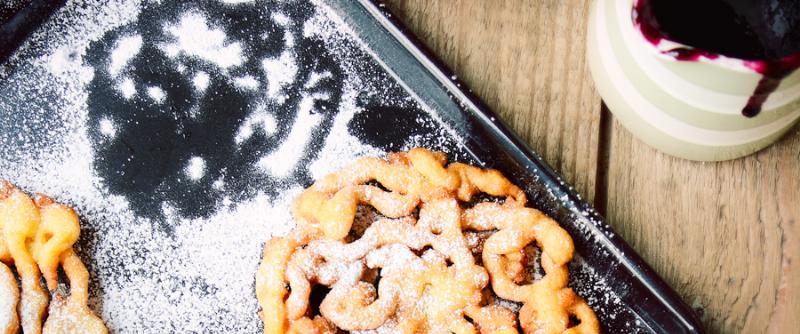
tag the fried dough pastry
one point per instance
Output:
(20, 219)
(418, 175)
(72, 314)
(58, 231)
(413, 269)
(9, 297)
(38, 236)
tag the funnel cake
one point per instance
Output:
(411, 267)
(37, 237)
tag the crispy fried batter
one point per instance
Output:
(429, 280)
(38, 235)
(9, 298)
(58, 231)
(72, 314)
(518, 227)
(419, 175)
(20, 219)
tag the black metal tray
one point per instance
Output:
(625, 292)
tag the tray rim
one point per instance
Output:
(530, 160)
(23, 23)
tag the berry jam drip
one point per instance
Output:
(763, 33)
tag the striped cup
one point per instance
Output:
(689, 109)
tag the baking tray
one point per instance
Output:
(427, 106)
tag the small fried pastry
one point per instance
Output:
(39, 235)
(58, 231)
(72, 314)
(413, 269)
(9, 297)
(517, 227)
(20, 219)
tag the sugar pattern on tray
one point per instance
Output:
(181, 132)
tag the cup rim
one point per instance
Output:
(665, 48)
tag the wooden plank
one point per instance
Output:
(725, 235)
(525, 59)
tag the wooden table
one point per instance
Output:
(725, 235)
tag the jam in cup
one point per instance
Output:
(703, 80)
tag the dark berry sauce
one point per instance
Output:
(763, 33)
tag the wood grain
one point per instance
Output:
(525, 59)
(724, 235)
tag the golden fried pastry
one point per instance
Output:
(428, 279)
(518, 227)
(271, 286)
(9, 297)
(72, 314)
(20, 219)
(330, 204)
(58, 231)
(39, 235)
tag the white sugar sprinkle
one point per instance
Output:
(284, 160)
(107, 127)
(316, 77)
(247, 82)
(279, 72)
(126, 49)
(196, 168)
(127, 87)
(200, 81)
(9, 293)
(156, 93)
(60, 60)
(219, 185)
(280, 18)
(258, 120)
(196, 38)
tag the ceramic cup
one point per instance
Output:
(689, 109)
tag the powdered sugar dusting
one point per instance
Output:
(200, 81)
(217, 252)
(340, 147)
(156, 93)
(9, 296)
(196, 38)
(280, 71)
(175, 273)
(126, 49)
(286, 157)
(107, 127)
(259, 120)
(196, 168)
(127, 87)
(246, 82)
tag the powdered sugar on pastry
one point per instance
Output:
(9, 297)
